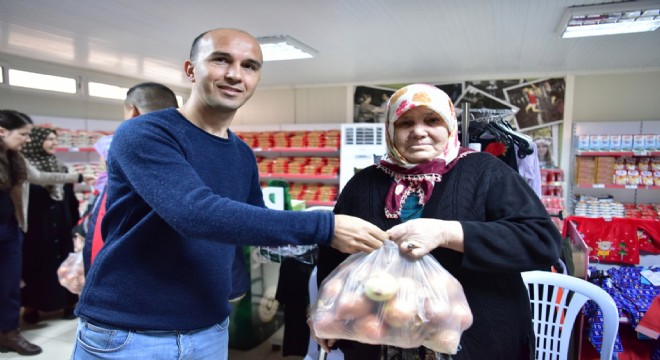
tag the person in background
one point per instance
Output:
(183, 191)
(544, 152)
(15, 173)
(469, 210)
(52, 213)
(140, 99)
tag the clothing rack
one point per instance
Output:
(466, 113)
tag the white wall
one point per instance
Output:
(632, 96)
(629, 96)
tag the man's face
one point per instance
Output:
(226, 70)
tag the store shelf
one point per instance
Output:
(310, 203)
(320, 151)
(603, 183)
(299, 177)
(618, 153)
(614, 186)
(74, 149)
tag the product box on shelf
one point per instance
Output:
(649, 143)
(583, 143)
(604, 169)
(638, 142)
(586, 170)
(615, 142)
(626, 142)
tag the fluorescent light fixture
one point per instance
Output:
(106, 91)
(284, 47)
(609, 19)
(42, 81)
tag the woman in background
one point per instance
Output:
(469, 210)
(14, 134)
(52, 214)
(543, 148)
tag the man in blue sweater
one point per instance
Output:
(183, 191)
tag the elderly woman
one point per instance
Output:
(469, 210)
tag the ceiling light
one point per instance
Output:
(609, 19)
(38, 81)
(283, 47)
(106, 90)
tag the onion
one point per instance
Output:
(353, 305)
(369, 329)
(444, 341)
(327, 327)
(380, 286)
(400, 312)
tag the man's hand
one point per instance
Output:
(419, 237)
(353, 234)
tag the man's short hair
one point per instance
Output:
(150, 96)
(195, 45)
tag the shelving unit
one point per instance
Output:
(625, 193)
(85, 153)
(311, 182)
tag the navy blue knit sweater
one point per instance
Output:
(179, 199)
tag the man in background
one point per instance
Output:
(140, 99)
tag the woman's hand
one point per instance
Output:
(89, 179)
(325, 343)
(353, 234)
(419, 237)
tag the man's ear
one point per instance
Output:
(130, 111)
(189, 69)
(134, 111)
(3, 132)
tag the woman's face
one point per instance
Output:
(420, 135)
(17, 138)
(50, 143)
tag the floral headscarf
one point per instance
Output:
(43, 161)
(102, 146)
(420, 178)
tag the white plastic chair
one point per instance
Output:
(556, 301)
(314, 352)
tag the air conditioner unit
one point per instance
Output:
(361, 145)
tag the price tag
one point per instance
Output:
(631, 186)
(599, 186)
(74, 149)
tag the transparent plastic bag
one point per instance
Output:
(387, 298)
(71, 273)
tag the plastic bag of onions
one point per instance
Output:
(386, 298)
(71, 273)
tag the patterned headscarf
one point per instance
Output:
(43, 161)
(102, 146)
(420, 178)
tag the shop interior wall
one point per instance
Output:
(599, 97)
(630, 96)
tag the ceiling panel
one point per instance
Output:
(359, 42)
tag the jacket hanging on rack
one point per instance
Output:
(491, 129)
